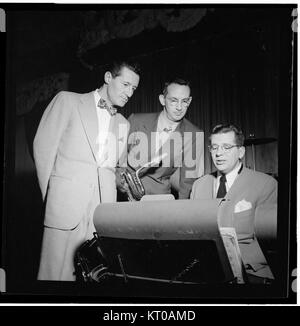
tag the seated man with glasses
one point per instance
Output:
(169, 145)
(250, 197)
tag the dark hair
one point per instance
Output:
(224, 128)
(178, 81)
(116, 67)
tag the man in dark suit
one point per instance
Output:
(80, 140)
(170, 137)
(250, 197)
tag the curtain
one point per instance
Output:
(234, 79)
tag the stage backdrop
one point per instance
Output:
(235, 77)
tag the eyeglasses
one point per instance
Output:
(174, 102)
(225, 148)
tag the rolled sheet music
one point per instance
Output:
(159, 220)
(158, 197)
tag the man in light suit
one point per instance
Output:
(250, 197)
(78, 144)
(167, 135)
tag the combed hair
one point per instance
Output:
(178, 81)
(224, 128)
(117, 66)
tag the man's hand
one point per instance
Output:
(129, 183)
(121, 183)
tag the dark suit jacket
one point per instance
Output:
(251, 203)
(184, 154)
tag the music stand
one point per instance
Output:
(163, 241)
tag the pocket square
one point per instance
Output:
(242, 205)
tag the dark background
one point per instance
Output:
(239, 60)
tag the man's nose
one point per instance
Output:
(219, 151)
(179, 106)
(129, 91)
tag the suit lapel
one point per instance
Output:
(210, 187)
(171, 147)
(238, 184)
(226, 215)
(179, 153)
(151, 127)
(168, 148)
(88, 115)
(119, 130)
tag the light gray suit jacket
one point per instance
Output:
(251, 199)
(65, 152)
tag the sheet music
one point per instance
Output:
(231, 245)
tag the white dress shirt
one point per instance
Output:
(230, 178)
(103, 127)
(162, 135)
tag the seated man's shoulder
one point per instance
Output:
(202, 187)
(205, 178)
(259, 177)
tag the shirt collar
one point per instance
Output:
(231, 176)
(163, 122)
(96, 97)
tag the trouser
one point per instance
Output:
(59, 246)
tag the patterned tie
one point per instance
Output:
(103, 105)
(222, 187)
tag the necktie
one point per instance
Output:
(103, 105)
(222, 187)
(163, 136)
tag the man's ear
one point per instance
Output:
(190, 100)
(162, 100)
(107, 77)
(241, 152)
